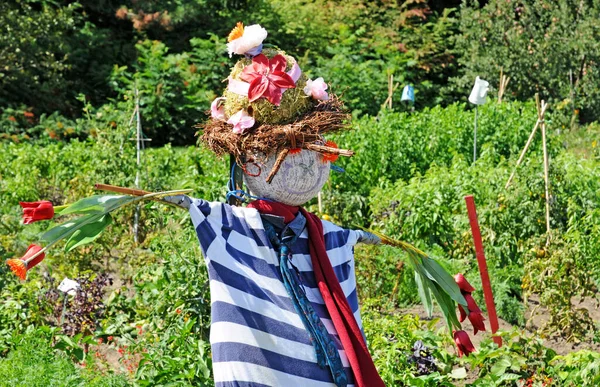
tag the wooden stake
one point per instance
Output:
(391, 89)
(139, 144)
(483, 271)
(541, 112)
(502, 85)
(546, 179)
(320, 201)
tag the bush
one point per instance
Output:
(538, 44)
(175, 90)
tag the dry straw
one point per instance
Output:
(304, 132)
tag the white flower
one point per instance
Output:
(316, 89)
(241, 121)
(252, 38)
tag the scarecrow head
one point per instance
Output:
(271, 119)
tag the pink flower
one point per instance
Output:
(217, 111)
(463, 343)
(241, 121)
(316, 89)
(463, 284)
(267, 77)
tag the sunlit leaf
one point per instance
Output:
(88, 233)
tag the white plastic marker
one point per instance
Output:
(68, 286)
(478, 97)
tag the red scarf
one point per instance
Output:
(365, 373)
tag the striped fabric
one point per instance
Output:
(256, 336)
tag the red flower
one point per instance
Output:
(34, 211)
(476, 320)
(267, 77)
(463, 313)
(331, 157)
(463, 343)
(471, 304)
(463, 284)
(19, 266)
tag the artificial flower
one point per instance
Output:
(316, 89)
(241, 121)
(217, 111)
(267, 78)
(331, 157)
(19, 266)
(471, 304)
(476, 319)
(463, 284)
(34, 211)
(463, 343)
(246, 41)
(463, 313)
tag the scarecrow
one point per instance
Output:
(284, 305)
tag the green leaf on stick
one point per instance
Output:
(424, 294)
(445, 280)
(88, 233)
(64, 230)
(94, 204)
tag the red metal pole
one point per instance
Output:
(483, 271)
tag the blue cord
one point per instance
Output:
(239, 194)
(337, 168)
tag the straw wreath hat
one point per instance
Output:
(271, 118)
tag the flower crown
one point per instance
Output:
(271, 105)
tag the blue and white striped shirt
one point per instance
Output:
(256, 336)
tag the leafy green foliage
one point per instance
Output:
(157, 313)
(545, 47)
(175, 90)
(35, 362)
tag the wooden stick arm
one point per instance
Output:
(123, 190)
(181, 200)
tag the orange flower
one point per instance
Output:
(295, 151)
(237, 32)
(330, 156)
(20, 266)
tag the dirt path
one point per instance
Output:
(536, 317)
